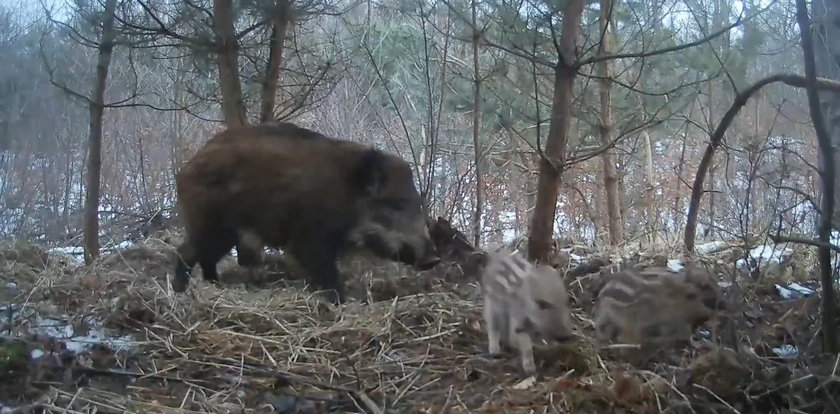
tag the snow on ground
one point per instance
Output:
(61, 329)
(794, 290)
(710, 247)
(765, 254)
(675, 265)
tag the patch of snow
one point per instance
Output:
(62, 330)
(526, 383)
(508, 235)
(36, 353)
(125, 244)
(674, 265)
(786, 351)
(794, 290)
(69, 250)
(575, 257)
(803, 289)
(710, 247)
(724, 284)
(766, 254)
(12, 307)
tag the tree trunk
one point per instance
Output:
(596, 213)
(97, 110)
(827, 176)
(281, 19)
(605, 84)
(542, 222)
(678, 208)
(826, 20)
(650, 202)
(479, 180)
(233, 108)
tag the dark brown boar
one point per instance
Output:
(288, 187)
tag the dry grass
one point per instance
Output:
(407, 343)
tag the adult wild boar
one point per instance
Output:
(289, 187)
(522, 301)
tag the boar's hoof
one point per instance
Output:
(333, 297)
(179, 285)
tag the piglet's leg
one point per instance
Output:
(521, 338)
(494, 345)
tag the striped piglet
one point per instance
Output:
(655, 305)
(522, 301)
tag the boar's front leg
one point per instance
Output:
(319, 261)
(186, 260)
(494, 328)
(521, 338)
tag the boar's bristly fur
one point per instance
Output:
(288, 187)
(520, 301)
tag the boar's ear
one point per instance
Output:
(369, 172)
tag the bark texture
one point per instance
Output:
(97, 112)
(479, 180)
(614, 221)
(542, 221)
(826, 21)
(233, 107)
(281, 18)
(827, 175)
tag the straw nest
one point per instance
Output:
(405, 343)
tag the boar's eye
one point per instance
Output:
(691, 296)
(543, 304)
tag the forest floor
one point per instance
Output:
(113, 337)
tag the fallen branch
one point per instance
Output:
(801, 240)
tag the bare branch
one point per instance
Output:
(666, 50)
(51, 72)
(717, 137)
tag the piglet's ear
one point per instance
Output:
(369, 173)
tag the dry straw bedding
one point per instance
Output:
(277, 348)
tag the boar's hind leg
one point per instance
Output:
(249, 249)
(210, 248)
(319, 262)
